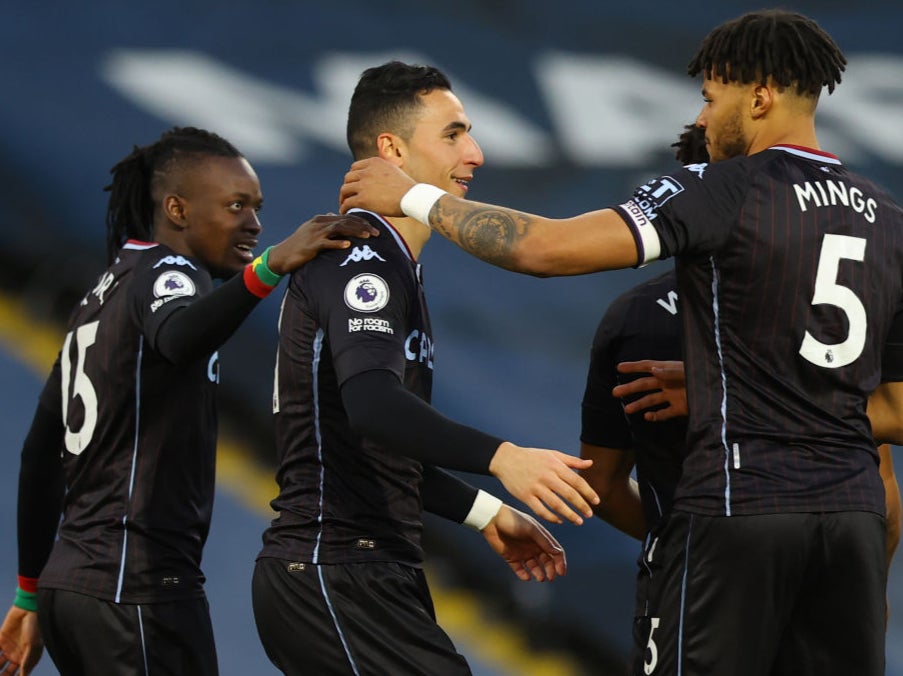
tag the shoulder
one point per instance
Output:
(644, 293)
(381, 256)
(165, 274)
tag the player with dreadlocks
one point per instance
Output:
(790, 276)
(123, 440)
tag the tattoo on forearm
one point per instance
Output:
(485, 232)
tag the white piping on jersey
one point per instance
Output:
(683, 600)
(716, 326)
(125, 528)
(818, 156)
(649, 544)
(276, 367)
(315, 365)
(398, 238)
(658, 503)
(335, 622)
(143, 644)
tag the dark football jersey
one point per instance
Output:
(342, 499)
(140, 437)
(790, 272)
(642, 323)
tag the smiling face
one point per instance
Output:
(440, 149)
(214, 208)
(723, 117)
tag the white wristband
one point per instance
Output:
(419, 200)
(485, 507)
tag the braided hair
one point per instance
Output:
(130, 210)
(690, 146)
(787, 47)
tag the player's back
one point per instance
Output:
(642, 323)
(786, 319)
(140, 437)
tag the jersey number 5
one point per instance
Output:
(82, 387)
(829, 292)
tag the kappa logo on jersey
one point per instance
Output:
(361, 253)
(174, 260)
(698, 169)
(366, 293)
(671, 304)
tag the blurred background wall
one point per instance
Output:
(573, 102)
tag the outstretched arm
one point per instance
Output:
(594, 241)
(609, 476)
(544, 479)
(197, 329)
(527, 547)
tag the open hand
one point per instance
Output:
(326, 231)
(527, 547)
(21, 644)
(546, 481)
(374, 184)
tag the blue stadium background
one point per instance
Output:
(573, 102)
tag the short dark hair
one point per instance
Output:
(690, 146)
(383, 101)
(130, 210)
(789, 48)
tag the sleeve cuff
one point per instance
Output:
(485, 507)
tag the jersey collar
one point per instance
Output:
(808, 153)
(398, 238)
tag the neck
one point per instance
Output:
(795, 130)
(168, 235)
(414, 233)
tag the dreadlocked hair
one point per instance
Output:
(787, 47)
(690, 146)
(130, 210)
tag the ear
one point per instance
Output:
(763, 98)
(390, 147)
(175, 210)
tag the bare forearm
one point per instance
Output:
(892, 500)
(535, 245)
(884, 407)
(623, 509)
(491, 234)
(620, 504)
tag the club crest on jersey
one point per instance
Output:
(361, 253)
(173, 283)
(366, 293)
